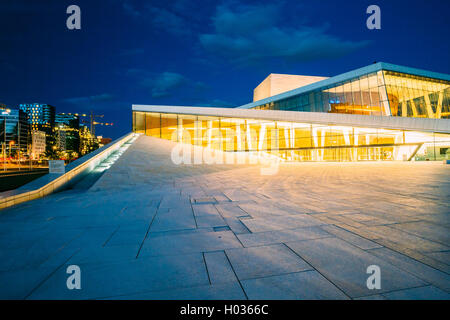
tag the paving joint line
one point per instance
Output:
(238, 280)
(337, 287)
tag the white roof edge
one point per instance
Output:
(382, 122)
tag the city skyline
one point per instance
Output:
(36, 131)
(162, 53)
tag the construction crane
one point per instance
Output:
(91, 121)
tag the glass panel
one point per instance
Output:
(153, 124)
(139, 122)
(169, 126)
(357, 101)
(186, 127)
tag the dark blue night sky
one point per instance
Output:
(204, 53)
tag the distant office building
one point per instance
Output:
(69, 119)
(40, 116)
(67, 132)
(88, 142)
(37, 144)
(13, 132)
(60, 135)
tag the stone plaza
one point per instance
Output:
(152, 229)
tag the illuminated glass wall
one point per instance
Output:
(413, 96)
(293, 141)
(383, 93)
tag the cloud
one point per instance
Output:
(177, 18)
(90, 99)
(246, 34)
(102, 97)
(164, 83)
(168, 21)
(130, 9)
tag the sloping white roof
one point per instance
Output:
(382, 122)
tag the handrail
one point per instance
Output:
(53, 182)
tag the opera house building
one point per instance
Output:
(381, 112)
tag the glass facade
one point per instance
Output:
(413, 96)
(14, 135)
(381, 93)
(294, 141)
(40, 116)
(67, 131)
